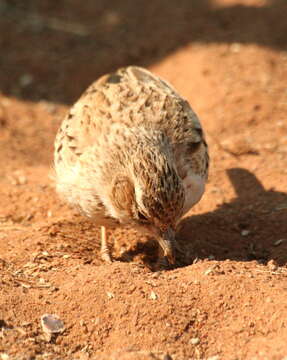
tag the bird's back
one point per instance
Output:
(133, 98)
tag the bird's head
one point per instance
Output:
(150, 197)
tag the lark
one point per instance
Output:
(131, 151)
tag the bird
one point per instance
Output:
(131, 151)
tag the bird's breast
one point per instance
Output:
(194, 186)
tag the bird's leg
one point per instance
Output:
(105, 254)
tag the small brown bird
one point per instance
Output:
(132, 151)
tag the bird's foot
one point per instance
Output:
(106, 257)
(105, 253)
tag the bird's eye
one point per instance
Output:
(141, 217)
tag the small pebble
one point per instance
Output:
(279, 242)
(153, 296)
(82, 323)
(110, 295)
(272, 265)
(25, 80)
(208, 271)
(194, 341)
(245, 232)
(52, 324)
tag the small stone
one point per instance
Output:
(245, 232)
(22, 180)
(208, 271)
(110, 295)
(279, 242)
(153, 296)
(66, 256)
(52, 324)
(272, 265)
(96, 321)
(25, 80)
(194, 341)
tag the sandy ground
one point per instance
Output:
(228, 299)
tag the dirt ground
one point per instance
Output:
(227, 300)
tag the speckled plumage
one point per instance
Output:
(131, 150)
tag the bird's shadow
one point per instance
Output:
(251, 226)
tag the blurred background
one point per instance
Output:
(54, 49)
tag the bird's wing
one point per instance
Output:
(131, 97)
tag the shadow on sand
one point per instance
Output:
(54, 50)
(247, 228)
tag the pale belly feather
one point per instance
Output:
(194, 186)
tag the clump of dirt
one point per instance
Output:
(226, 300)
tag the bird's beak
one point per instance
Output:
(166, 241)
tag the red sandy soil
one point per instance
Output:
(227, 300)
